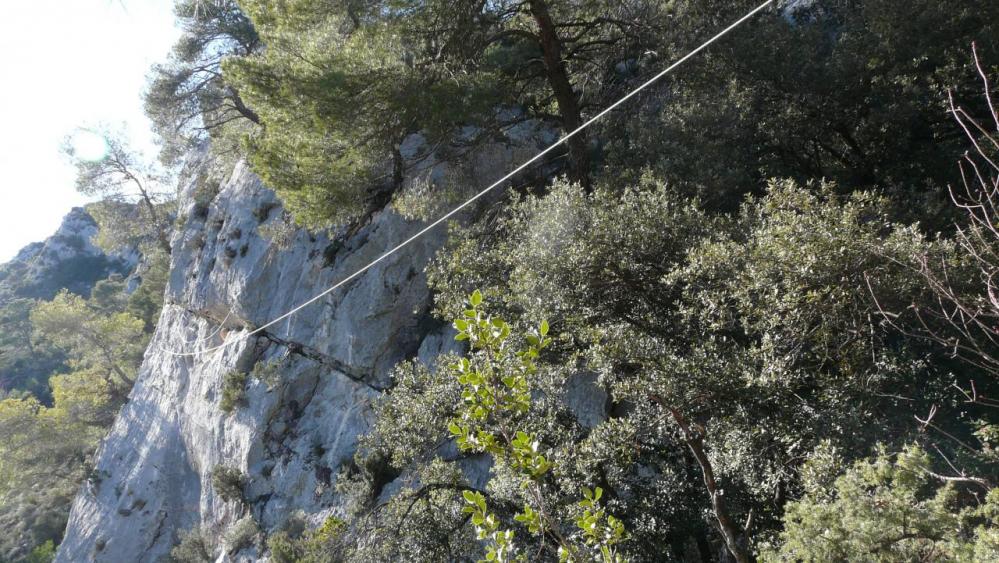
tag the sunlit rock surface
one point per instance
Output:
(152, 478)
(238, 263)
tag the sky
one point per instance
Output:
(66, 64)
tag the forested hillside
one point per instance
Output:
(749, 315)
(74, 319)
(76, 312)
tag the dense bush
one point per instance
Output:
(244, 533)
(889, 508)
(192, 548)
(730, 345)
(312, 546)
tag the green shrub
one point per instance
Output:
(243, 534)
(314, 546)
(44, 553)
(890, 508)
(228, 483)
(283, 548)
(268, 372)
(192, 548)
(233, 390)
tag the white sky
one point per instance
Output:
(66, 64)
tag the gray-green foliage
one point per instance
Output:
(192, 548)
(760, 327)
(229, 483)
(233, 390)
(243, 534)
(427, 521)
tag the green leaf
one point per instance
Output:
(544, 328)
(476, 298)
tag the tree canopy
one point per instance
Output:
(132, 190)
(187, 98)
(341, 85)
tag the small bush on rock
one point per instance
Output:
(314, 546)
(228, 483)
(243, 534)
(192, 549)
(233, 391)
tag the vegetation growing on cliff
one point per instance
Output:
(733, 348)
(757, 264)
(187, 99)
(49, 439)
(758, 269)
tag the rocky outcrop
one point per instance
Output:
(308, 385)
(295, 428)
(68, 259)
(301, 390)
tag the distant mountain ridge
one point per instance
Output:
(66, 260)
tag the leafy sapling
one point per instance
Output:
(496, 394)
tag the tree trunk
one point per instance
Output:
(729, 531)
(568, 102)
(161, 232)
(242, 108)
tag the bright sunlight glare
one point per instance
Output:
(69, 65)
(88, 145)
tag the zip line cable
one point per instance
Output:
(479, 195)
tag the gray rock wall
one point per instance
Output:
(237, 263)
(319, 372)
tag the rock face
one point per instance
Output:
(301, 390)
(236, 265)
(68, 259)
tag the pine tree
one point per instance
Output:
(342, 84)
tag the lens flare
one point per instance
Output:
(88, 145)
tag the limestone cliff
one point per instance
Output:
(238, 263)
